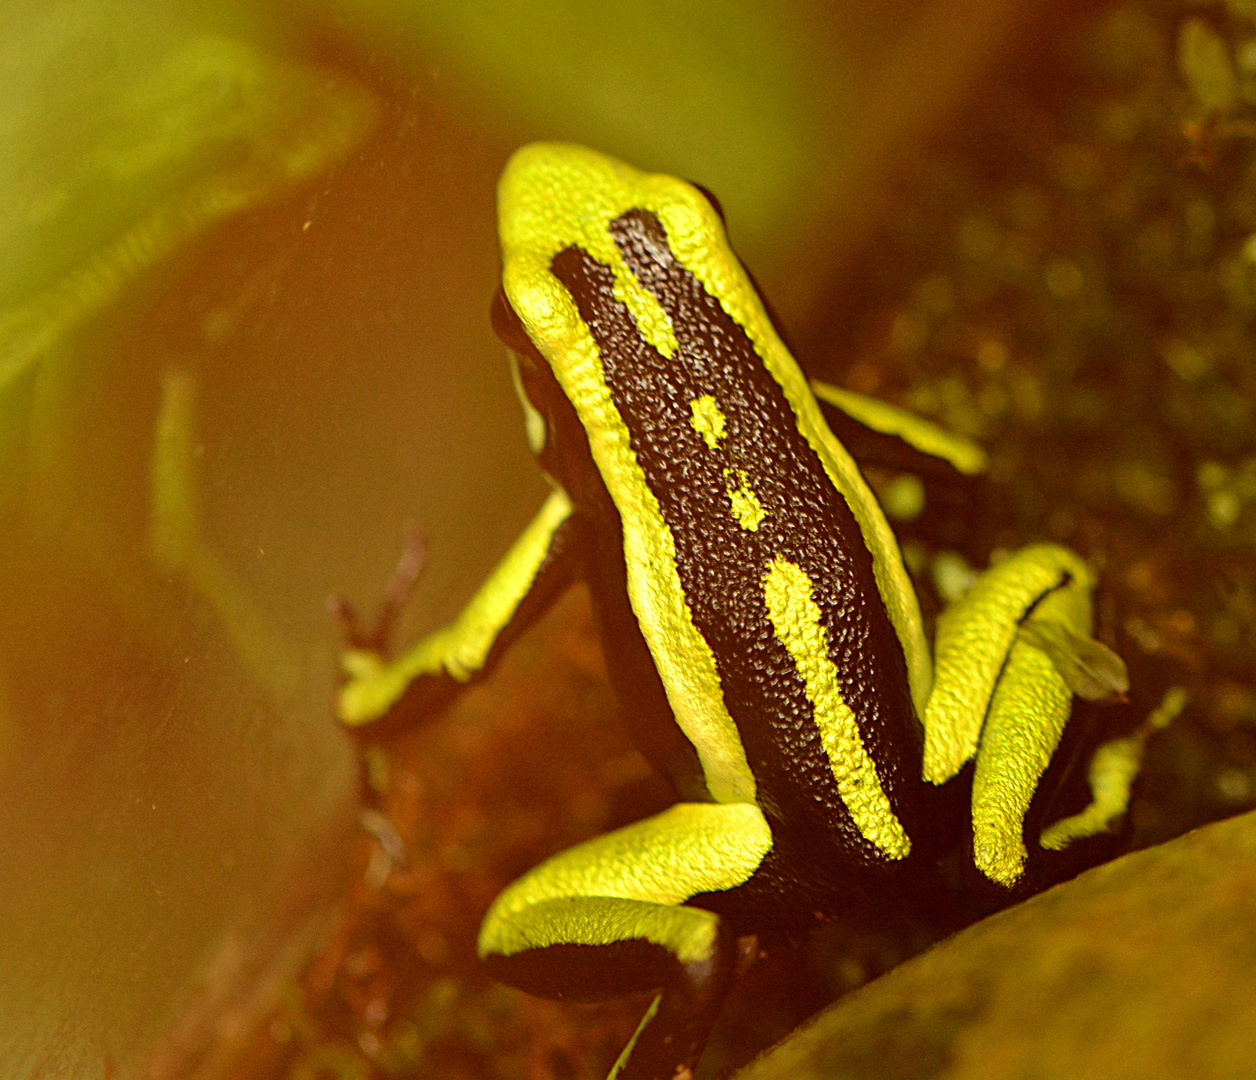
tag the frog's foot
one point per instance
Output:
(608, 918)
(1111, 775)
(1011, 653)
(690, 987)
(1089, 668)
(538, 567)
(377, 639)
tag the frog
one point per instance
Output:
(759, 624)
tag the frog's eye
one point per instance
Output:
(715, 203)
(507, 325)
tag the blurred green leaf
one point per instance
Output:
(1204, 62)
(717, 91)
(127, 131)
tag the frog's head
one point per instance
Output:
(566, 216)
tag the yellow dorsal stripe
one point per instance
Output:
(709, 421)
(553, 195)
(795, 617)
(550, 197)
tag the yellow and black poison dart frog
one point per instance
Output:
(762, 634)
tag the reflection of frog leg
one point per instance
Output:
(608, 917)
(1010, 654)
(177, 544)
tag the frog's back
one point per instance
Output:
(757, 563)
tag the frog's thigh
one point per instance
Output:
(1023, 729)
(606, 917)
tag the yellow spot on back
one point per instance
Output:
(707, 420)
(745, 503)
(653, 323)
(795, 617)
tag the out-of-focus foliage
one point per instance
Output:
(134, 778)
(126, 130)
(726, 93)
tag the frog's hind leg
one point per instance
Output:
(690, 985)
(608, 918)
(1010, 654)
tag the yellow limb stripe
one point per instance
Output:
(929, 438)
(686, 932)
(975, 634)
(631, 884)
(460, 649)
(795, 618)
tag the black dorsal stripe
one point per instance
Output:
(721, 564)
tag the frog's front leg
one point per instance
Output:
(608, 917)
(540, 565)
(1010, 654)
(878, 433)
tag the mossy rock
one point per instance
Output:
(1145, 967)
